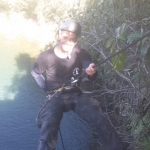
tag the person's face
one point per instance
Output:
(67, 40)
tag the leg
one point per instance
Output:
(89, 110)
(48, 120)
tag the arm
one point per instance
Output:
(88, 66)
(38, 69)
(39, 78)
(90, 70)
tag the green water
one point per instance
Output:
(16, 57)
(21, 99)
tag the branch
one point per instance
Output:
(120, 74)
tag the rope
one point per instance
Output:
(124, 48)
(84, 73)
(108, 58)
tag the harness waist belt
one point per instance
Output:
(65, 89)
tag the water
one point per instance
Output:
(21, 98)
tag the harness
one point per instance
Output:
(73, 87)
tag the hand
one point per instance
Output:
(91, 70)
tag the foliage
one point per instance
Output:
(124, 87)
(109, 25)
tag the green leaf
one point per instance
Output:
(144, 49)
(114, 62)
(126, 9)
(98, 59)
(122, 28)
(143, 41)
(109, 42)
(112, 49)
(120, 32)
(120, 65)
(122, 56)
(119, 61)
(133, 36)
(122, 37)
(117, 32)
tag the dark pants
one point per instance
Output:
(88, 109)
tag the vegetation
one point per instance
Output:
(108, 25)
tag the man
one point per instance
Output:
(60, 64)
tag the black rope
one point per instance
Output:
(61, 138)
(108, 58)
(124, 48)
(105, 60)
